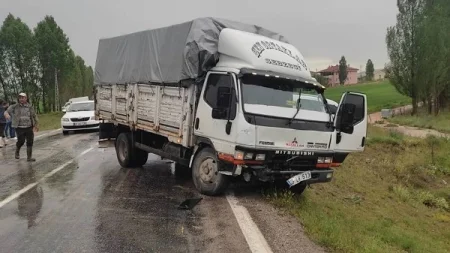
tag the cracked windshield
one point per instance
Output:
(322, 126)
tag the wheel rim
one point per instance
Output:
(208, 170)
(123, 152)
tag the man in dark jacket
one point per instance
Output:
(24, 120)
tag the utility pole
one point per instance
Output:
(56, 91)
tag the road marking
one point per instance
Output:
(46, 134)
(252, 234)
(51, 173)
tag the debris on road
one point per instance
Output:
(188, 204)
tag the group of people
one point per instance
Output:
(18, 119)
(8, 131)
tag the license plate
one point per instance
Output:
(299, 178)
(79, 123)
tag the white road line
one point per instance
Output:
(252, 234)
(51, 173)
(46, 134)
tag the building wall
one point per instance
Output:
(352, 78)
(379, 75)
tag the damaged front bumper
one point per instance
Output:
(265, 174)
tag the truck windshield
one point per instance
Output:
(261, 93)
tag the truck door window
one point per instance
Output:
(215, 83)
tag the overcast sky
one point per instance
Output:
(323, 30)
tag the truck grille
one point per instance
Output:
(292, 161)
(79, 119)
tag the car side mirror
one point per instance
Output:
(224, 97)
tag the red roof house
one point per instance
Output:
(332, 73)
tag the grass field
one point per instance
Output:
(440, 123)
(50, 121)
(380, 95)
(393, 197)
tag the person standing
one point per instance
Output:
(25, 122)
(2, 123)
(9, 131)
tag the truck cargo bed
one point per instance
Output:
(163, 110)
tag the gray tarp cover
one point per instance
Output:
(166, 55)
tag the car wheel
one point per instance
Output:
(205, 174)
(65, 132)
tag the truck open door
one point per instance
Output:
(350, 123)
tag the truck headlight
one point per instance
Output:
(325, 160)
(238, 155)
(260, 157)
(248, 156)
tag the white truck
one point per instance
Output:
(223, 99)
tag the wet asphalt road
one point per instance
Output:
(93, 205)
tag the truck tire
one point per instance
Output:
(128, 156)
(182, 172)
(140, 157)
(205, 174)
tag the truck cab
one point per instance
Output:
(266, 117)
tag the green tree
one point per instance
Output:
(402, 42)
(320, 79)
(90, 81)
(342, 70)
(54, 60)
(369, 70)
(434, 53)
(18, 58)
(35, 63)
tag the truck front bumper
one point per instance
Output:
(264, 173)
(317, 176)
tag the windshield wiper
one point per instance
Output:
(298, 104)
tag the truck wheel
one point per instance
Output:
(205, 174)
(182, 172)
(124, 152)
(140, 157)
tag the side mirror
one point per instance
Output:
(332, 109)
(224, 97)
(219, 113)
(347, 115)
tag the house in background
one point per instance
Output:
(378, 75)
(332, 74)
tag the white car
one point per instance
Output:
(79, 116)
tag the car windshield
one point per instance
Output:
(80, 107)
(280, 93)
